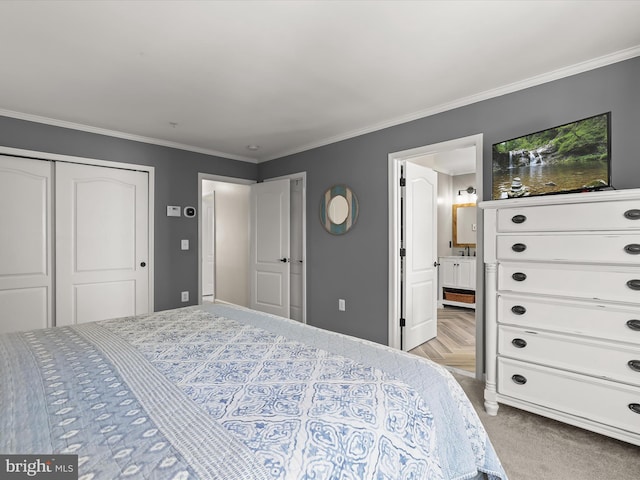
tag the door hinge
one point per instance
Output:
(403, 182)
(403, 322)
(403, 252)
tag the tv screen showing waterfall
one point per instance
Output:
(574, 157)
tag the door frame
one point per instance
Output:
(37, 155)
(395, 159)
(244, 181)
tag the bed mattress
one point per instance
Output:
(222, 392)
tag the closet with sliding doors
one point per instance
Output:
(74, 243)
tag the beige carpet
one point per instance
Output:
(532, 447)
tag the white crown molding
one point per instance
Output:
(114, 133)
(486, 95)
(497, 92)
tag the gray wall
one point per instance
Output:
(176, 183)
(354, 266)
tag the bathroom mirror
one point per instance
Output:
(338, 209)
(464, 225)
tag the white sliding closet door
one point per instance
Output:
(101, 243)
(25, 244)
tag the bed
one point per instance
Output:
(222, 392)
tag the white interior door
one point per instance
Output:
(270, 247)
(101, 243)
(208, 244)
(420, 273)
(25, 244)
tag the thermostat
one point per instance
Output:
(190, 212)
(173, 211)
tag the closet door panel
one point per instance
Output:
(24, 309)
(25, 244)
(97, 301)
(104, 227)
(101, 243)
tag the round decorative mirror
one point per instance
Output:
(338, 209)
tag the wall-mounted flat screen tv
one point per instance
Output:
(574, 157)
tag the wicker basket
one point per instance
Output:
(460, 297)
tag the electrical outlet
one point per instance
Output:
(341, 304)
(185, 296)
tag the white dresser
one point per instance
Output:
(563, 308)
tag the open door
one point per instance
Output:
(419, 265)
(269, 267)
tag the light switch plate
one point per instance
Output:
(184, 244)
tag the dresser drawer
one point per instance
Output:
(599, 320)
(569, 217)
(596, 248)
(614, 283)
(602, 401)
(591, 357)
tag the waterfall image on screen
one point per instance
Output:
(574, 157)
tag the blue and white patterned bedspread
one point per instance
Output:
(224, 392)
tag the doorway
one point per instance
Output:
(225, 238)
(224, 241)
(441, 158)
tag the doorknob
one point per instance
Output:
(284, 260)
(143, 264)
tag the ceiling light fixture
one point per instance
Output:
(253, 148)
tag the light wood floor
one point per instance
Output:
(455, 345)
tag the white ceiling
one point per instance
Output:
(459, 161)
(217, 76)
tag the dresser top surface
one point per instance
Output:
(569, 198)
